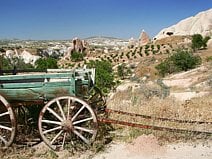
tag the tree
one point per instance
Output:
(46, 63)
(179, 61)
(199, 42)
(104, 74)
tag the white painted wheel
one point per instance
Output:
(66, 122)
(7, 123)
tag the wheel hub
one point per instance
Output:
(67, 126)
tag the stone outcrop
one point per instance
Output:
(78, 45)
(144, 38)
(28, 57)
(198, 24)
(11, 54)
(25, 55)
(209, 44)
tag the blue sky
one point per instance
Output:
(65, 19)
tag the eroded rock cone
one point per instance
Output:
(144, 38)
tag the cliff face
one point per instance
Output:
(198, 24)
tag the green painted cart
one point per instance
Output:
(65, 97)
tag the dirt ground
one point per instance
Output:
(147, 147)
(142, 147)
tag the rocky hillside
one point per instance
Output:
(198, 24)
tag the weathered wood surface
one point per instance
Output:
(31, 87)
(45, 86)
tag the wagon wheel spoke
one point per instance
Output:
(83, 120)
(78, 112)
(53, 129)
(5, 127)
(96, 99)
(82, 137)
(2, 139)
(56, 136)
(7, 123)
(64, 139)
(55, 114)
(51, 122)
(84, 129)
(3, 114)
(61, 109)
(66, 121)
(68, 112)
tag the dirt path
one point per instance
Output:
(147, 147)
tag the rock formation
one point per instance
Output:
(198, 24)
(28, 57)
(78, 46)
(209, 43)
(144, 38)
(11, 54)
(25, 55)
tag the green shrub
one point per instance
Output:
(128, 55)
(179, 61)
(140, 54)
(18, 63)
(146, 52)
(77, 56)
(46, 63)
(154, 51)
(104, 74)
(199, 42)
(123, 71)
(146, 47)
(209, 58)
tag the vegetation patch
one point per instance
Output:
(179, 61)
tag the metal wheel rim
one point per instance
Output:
(65, 123)
(7, 123)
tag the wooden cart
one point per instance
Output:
(65, 96)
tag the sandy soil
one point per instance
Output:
(147, 147)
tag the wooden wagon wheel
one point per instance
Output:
(7, 123)
(66, 122)
(96, 99)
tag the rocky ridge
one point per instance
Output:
(198, 24)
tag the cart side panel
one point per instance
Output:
(36, 87)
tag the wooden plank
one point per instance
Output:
(34, 85)
(23, 80)
(22, 94)
(57, 84)
(21, 85)
(37, 76)
(39, 93)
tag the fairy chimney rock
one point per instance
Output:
(144, 38)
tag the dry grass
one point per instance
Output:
(172, 39)
(198, 109)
